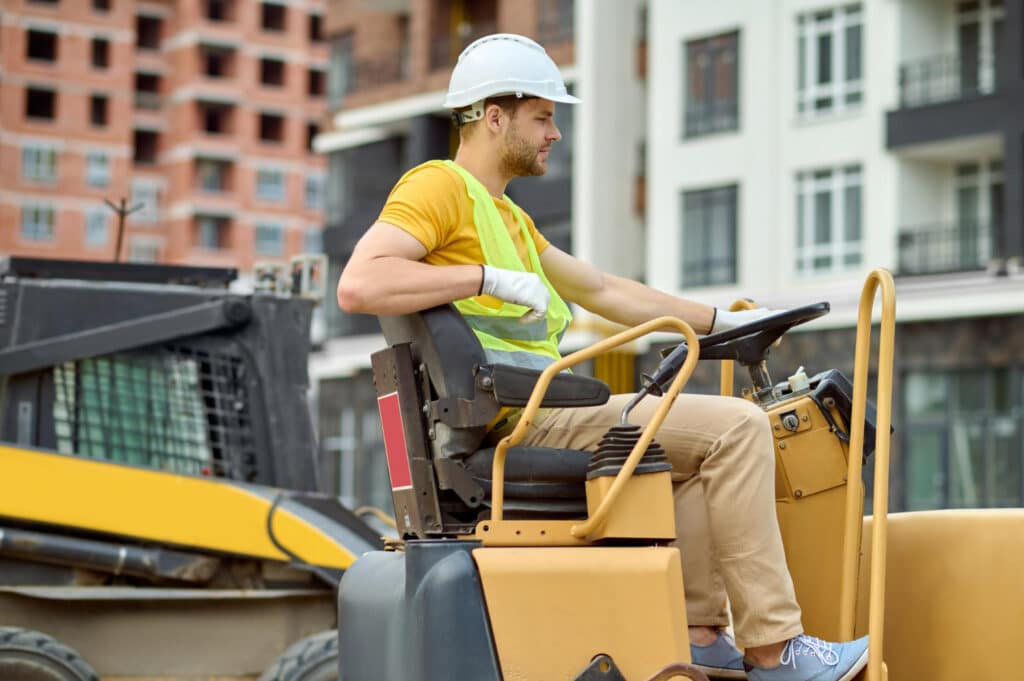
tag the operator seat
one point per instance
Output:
(460, 392)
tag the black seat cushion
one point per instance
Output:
(534, 472)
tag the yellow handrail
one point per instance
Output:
(728, 365)
(376, 513)
(879, 278)
(537, 396)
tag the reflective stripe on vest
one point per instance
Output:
(504, 338)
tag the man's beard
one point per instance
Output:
(519, 158)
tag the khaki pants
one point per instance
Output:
(724, 485)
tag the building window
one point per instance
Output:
(98, 110)
(41, 45)
(271, 127)
(312, 130)
(269, 240)
(271, 71)
(39, 164)
(37, 220)
(211, 232)
(555, 21)
(147, 32)
(213, 174)
(313, 240)
(712, 85)
(218, 10)
(146, 144)
(144, 250)
(44, 2)
(100, 53)
(317, 83)
(316, 32)
(709, 237)
(101, 5)
(315, 192)
(41, 103)
(147, 91)
(829, 60)
(216, 117)
(217, 61)
(270, 185)
(828, 220)
(96, 227)
(962, 440)
(146, 194)
(339, 186)
(273, 16)
(341, 74)
(97, 169)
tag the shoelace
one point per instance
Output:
(808, 645)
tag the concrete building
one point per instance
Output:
(795, 145)
(202, 112)
(390, 64)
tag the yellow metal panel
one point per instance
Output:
(811, 504)
(156, 506)
(954, 600)
(553, 609)
(644, 509)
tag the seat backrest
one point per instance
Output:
(450, 353)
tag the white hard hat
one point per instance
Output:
(504, 64)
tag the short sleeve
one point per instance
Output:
(425, 204)
(539, 242)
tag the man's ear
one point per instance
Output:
(494, 117)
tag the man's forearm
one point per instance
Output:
(629, 302)
(392, 285)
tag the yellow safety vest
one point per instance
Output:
(504, 338)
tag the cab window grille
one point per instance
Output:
(179, 409)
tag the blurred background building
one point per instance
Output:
(771, 149)
(202, 112)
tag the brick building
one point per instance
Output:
(200, 111)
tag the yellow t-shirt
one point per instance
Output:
(432, 205)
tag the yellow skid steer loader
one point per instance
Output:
(158, 508)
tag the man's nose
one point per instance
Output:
(556, 134)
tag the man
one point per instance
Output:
(448, 234)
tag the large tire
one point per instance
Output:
(27, 655)
(314, 658)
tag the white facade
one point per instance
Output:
(773, 144)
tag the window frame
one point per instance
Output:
(267, 228)
(720, 122)
(271, 191)
(808, 184)
(726, 193)
(93, 176)
(39, 163)
(839, 90)
(91, 216)
(38, 210)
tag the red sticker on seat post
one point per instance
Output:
(394, 441)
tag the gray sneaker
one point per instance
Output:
(806, 658)
(719, 660)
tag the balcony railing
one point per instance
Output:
(945, 78)
(150, 101)
(945, 248)
(445, 50)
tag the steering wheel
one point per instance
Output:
(748, 343)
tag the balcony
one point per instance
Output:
(944, 248)
(946, 78)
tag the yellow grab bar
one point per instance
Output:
(879, 278)
(537, 396)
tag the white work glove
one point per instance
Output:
(521, 288)
(727, 319)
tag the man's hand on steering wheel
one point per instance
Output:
(729, 319)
